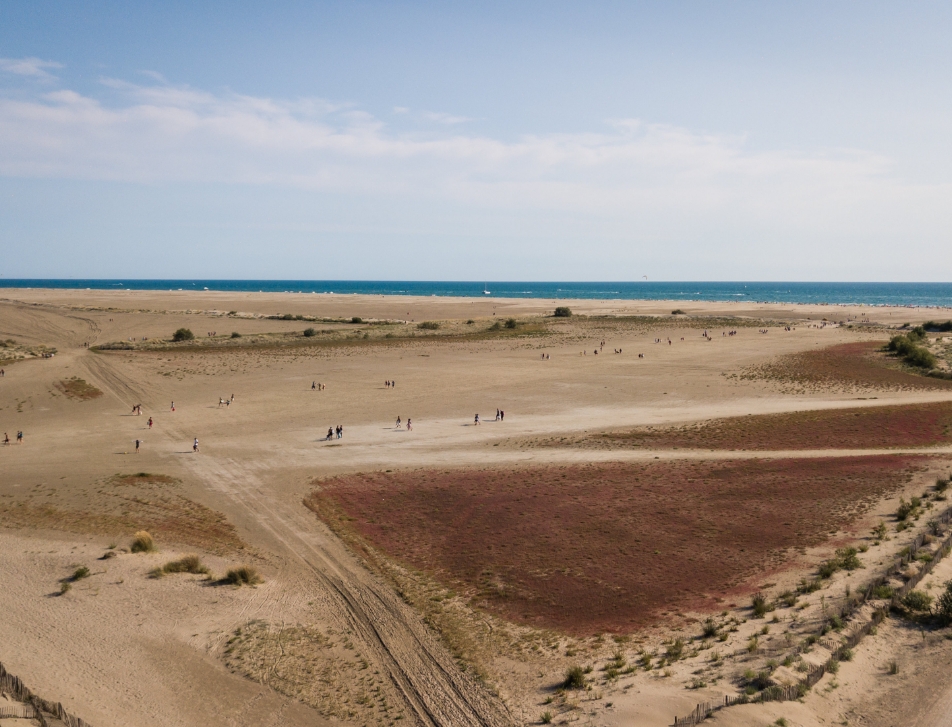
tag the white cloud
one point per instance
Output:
(33, 67)
(653, 178)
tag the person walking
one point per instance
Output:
(195, 445)
(20, 437)
(150, 422)
(398, 423)
(6, 438)
(409, 427)
(330, 433)
(173, 406)
(340, 431)
(313, 386)
(137, 446)
(476, 421)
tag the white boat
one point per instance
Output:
(486, 292)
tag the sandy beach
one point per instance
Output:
(353, 624)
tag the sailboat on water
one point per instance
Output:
(486, 289)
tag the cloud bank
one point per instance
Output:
(631, 177)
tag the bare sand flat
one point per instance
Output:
(347, 627)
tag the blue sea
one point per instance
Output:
(892, 294)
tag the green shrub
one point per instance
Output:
(760, 605)
(511, 323)
(846, 655)
(546, 718)
(80, 573)
(428, 326)
(574, 678)
(678, 312)
(183, 334)
(142, 543)
(847, 559)
(356, 319)
(904, 510)
(675, 649)
(497, 326)
(243, 575)
(310, 332)
(943, 605)
(936, 327)
(710, 628)
(880, 530)
(917, 601)
(883, 592)
(235, 334)
(563, 312)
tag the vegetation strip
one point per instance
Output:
(795, 691)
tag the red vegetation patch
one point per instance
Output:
(850, 366)
(606, 547)
(908, 425)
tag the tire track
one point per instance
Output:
(435, 691)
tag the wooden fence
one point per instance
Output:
(33, 707)
(838, 647)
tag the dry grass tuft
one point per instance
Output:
(76, 388)
(186, 564)
(243, 575)
(142, 542)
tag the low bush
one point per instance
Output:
(80, 573)
(356, 319)
(186, 564)
(243, 575)
(574, 678)
(678, 312)
(142, 542)
(235, 334)
(183, 334)
(883, 592)
(760, 605)
(943, 605)
(937, 327)
(546, 718)
(710, 628)
(917, 601)
(310, 332)
(563, 312)
(904, 510)
(907, 347)
(428, 326)
(511, 323)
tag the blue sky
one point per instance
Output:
(532, 141)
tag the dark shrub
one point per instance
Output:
(308, 332)
(917, 601)
(428, 326)
(235, 334)
(356, 319)
(563, 312)
(511, 323)
(183, 334)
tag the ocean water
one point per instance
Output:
(893, 294)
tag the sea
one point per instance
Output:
(931, 295)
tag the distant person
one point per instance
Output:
(137, 446)
(232, 397)
(340, 431)
(330, 432)
(409, 427)
(398, 423)
(221, 402)
(476, 421)
(195, 445)
(497, 415)
(150, 422)
(502, 415)
(173, 406)
(20, 437)
(6, 438)
(313, 386)
(2, 372)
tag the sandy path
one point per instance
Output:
(434, 688)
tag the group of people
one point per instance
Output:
(317, 386)
(225, 402)
(137, 410)
(390, 384)
(6, 438)
(400, 424)
(338, 431)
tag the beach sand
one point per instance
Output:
(327, 636)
